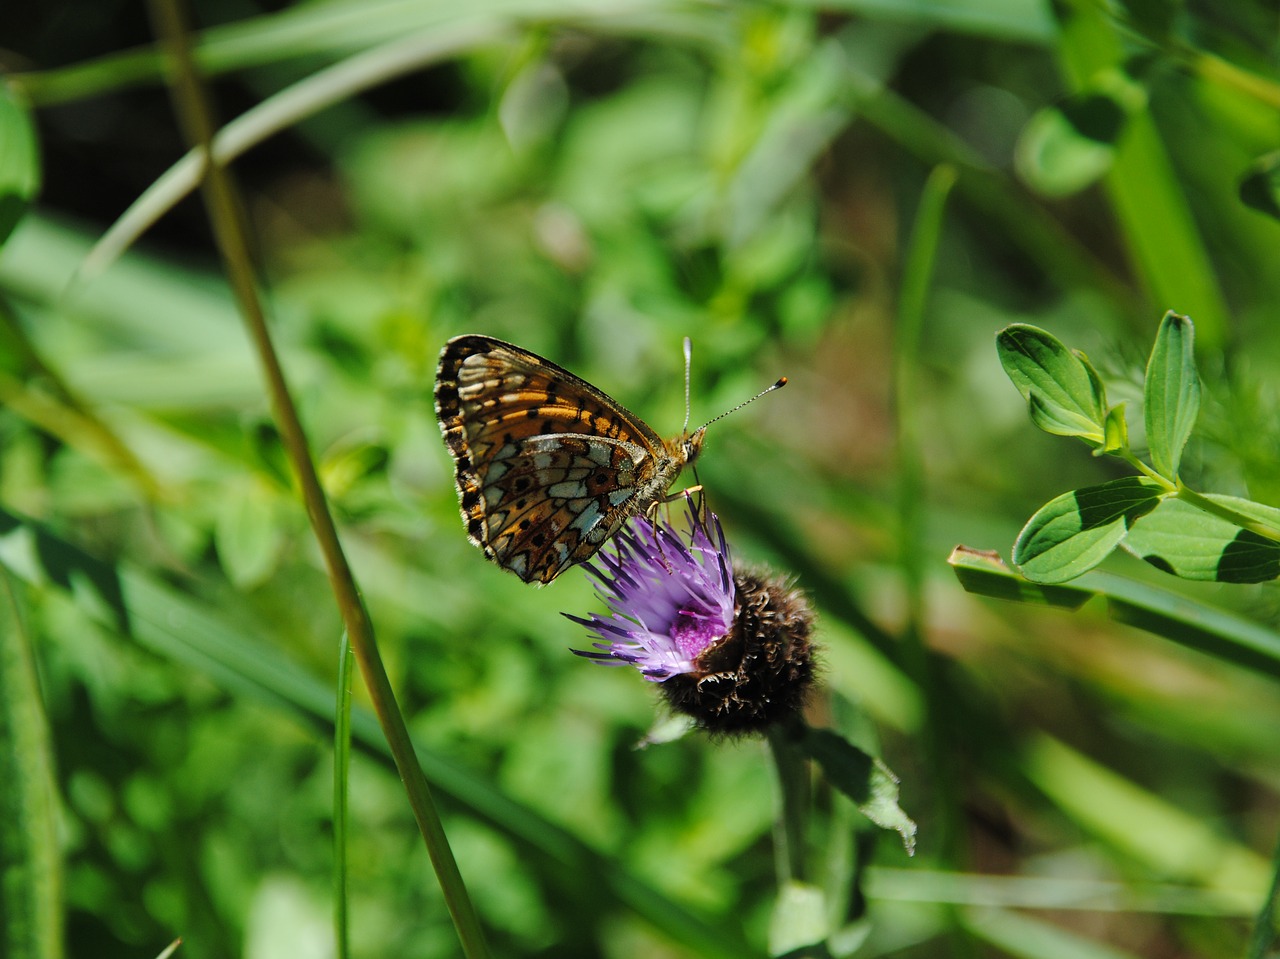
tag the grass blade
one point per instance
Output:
(30, 853)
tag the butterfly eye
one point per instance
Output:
(692, 446)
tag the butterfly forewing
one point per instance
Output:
(548, 466)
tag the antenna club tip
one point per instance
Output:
(782, 381)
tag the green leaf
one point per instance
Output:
(1055, 158)
(19, 161)
(1061, 388)
(1076, 531)
(1117, 431)
(249, 535)
(1260, 186)
(1171, 394)
(30, 895)
(1188, 542)
(799, 919)
(863, 778)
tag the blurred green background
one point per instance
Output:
(595, 181)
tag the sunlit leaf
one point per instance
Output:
(1117, 430)
(1171, 394)
(1191, 543)
(1076, 531)
(1061, 387)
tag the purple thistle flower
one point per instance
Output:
(730, 649)
(669, 601)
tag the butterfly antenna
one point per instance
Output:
(688, 365)
(782, 381)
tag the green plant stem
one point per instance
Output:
(1127, 455)
(231, 234)
(794, 795)
(341, 779)
(1232, 516)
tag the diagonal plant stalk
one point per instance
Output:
(231, 234)
(341, 792)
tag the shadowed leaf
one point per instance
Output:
(1076, 531)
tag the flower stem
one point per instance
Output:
(794, 793)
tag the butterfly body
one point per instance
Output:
(548, 467)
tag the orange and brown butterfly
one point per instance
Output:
(548, 466)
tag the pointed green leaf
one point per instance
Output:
(1062, 390)
(1117, 431)
(1171, 395)
(19, 161)
(1190, 543)
(1076, 531)
(863, 778)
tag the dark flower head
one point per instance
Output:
(732, 650)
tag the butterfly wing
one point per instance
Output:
(548, 466)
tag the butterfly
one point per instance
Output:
(548, 466)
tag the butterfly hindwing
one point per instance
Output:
(548, 467)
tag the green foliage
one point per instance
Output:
(1215, 537)
(1061, 388)
(1076, 531)
(856, 194)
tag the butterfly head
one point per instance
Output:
(691, 444)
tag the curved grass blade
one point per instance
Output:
(1188, 622)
